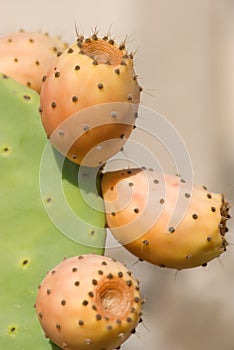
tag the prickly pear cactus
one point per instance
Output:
(30, 242)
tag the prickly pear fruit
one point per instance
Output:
(30, 242)
(141, 209)
(26, 56)
(89, 301)
(92, 72)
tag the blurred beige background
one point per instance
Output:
(185, 61)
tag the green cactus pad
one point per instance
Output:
(32, 243)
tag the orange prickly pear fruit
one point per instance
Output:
(89, 100)
(26, 56)
(89, 301)
(140, 211)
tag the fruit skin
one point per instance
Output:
(140, 213)
(91, 72)
(26, 56)
(30, 242)
(89, 301)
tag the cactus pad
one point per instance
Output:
(30, 242)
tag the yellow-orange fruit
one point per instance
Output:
(89, 100)
(89, 302)
(26, 56)
(163, 219)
